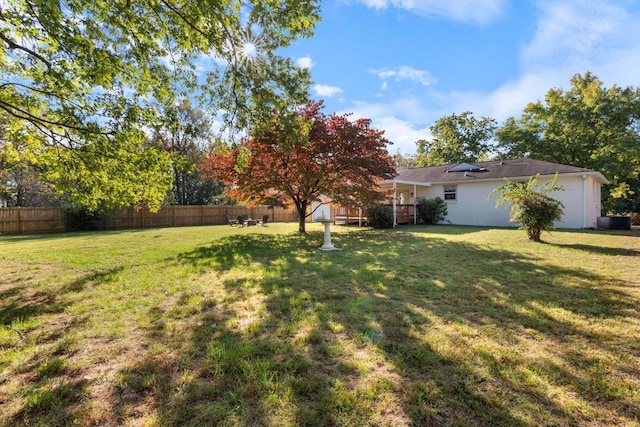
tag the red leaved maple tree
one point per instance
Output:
(298, 161)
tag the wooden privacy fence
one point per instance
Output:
(49, 220)
(31, 220)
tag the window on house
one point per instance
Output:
(450, 192)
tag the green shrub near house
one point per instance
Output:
(380, 216)
(431, 211)
(531, 204)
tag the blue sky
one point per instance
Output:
(406, 63)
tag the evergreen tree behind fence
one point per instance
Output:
(52, 220)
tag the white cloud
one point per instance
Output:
(402, 133)
(327, 91)
(578, 33)
(478, 11)
(400, 119)
(405, 73)
(304, 62)
(205, 63)
(510, 99)
(410, 108)
(572, 37)
(407, 120)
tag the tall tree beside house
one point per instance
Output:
(586, 126)
(78, 79)
(456, 139)
(185, 133)
(404, 161)
(299, 160)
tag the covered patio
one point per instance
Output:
(402, 201)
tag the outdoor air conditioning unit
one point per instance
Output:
(614, 222)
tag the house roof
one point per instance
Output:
(491, 170)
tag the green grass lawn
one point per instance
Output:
(226, 326)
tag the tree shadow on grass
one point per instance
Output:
(24, 305)
(365, 296)
(92, 278)
(395, 328)
(20, 307)
(634, 232)
(600, 250)
(239, 250)
(219, 372)
(51, 404)
(41, 331)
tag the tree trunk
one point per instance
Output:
(534, 234)
(302, 223)
(302, 212)
(177, 188)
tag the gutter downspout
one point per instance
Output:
(585, 205)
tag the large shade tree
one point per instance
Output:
(586, 126)
(20, 186)
(457, 138)
(186, 133)
(404, 161)
(19, 177)
(298, 160)
(78, 80)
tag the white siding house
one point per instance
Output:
(465, 188)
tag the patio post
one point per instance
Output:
(415, 205)
(395, 221)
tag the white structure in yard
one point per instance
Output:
(465, 188)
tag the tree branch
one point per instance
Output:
(13, 46)
(22, 114)
(184, 18)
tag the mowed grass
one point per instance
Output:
(227, 326)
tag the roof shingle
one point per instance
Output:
(495, 169)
